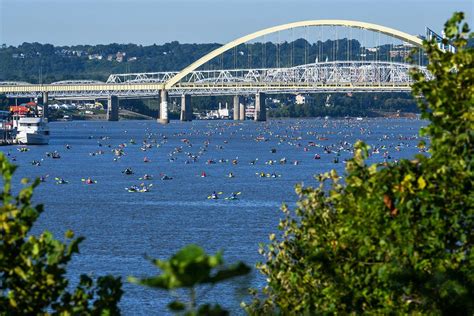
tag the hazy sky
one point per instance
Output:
(66, 22)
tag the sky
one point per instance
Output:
(70, 22)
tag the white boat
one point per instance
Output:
(32, 131)
(250, 112)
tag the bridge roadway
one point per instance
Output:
(335, 76)
(316, 77)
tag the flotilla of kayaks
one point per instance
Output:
(142, 188)
(190, 157)
(315, 150)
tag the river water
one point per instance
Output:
(122, 227)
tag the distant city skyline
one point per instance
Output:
(72, 22)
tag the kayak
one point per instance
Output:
(60, 181)
(146, 177)
(127, 171)
(233, 196)
(132, 190)
(139, 189)
(89, 181)
(214, 196)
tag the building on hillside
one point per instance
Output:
(403, 50)
(95, 56)
(119, 57)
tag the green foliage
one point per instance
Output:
(394, 239)
(33, 268)
(189, 268)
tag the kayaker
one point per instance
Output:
(128, 171)
(60, 181)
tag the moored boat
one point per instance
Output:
(32, 131)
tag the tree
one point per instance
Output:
(33, 268)
(390, 239)
(190, 268)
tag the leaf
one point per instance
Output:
(160, 282)
(238, 269)
(189, 253)
(69, 234)
(421, 183)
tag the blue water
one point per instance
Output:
(121, 227)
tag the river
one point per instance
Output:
(122, 227)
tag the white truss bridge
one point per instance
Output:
(314, 77)
(338, 76)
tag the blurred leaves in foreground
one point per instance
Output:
(189, 269)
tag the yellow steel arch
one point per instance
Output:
(355, 24)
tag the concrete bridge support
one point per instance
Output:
(260, 109)
(45, 104)
(186, 108)
(242, 111)
(236, 107)
(112, 108)
(163, 119)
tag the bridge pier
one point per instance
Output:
(45, 105)
(186, 108)
(163, 119)
(112, 108)
(260, 109)
(236, 107)
(242, 111)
